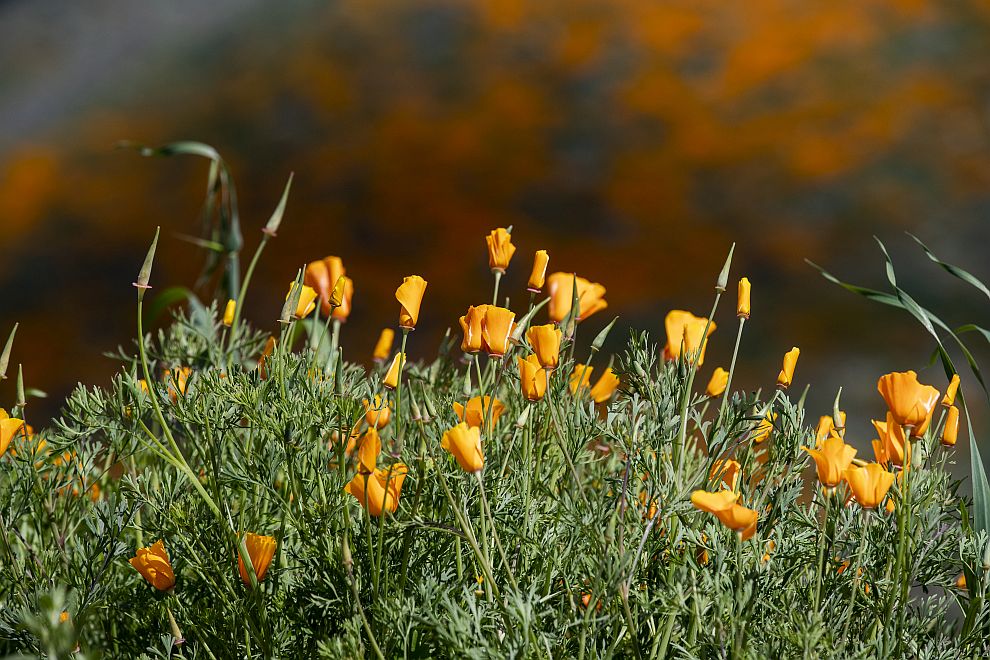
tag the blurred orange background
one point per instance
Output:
(633, 139)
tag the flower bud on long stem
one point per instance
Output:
(145, 274)
(5, 356)
(723, 277)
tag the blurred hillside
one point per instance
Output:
(633, 139)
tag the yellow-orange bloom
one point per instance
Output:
(9, 427)
(718, 382)
(392, 375)
(323, 276)
(228, 312)
(260, 549)
(832, 460)
(764, 428)
(369, 447)
(910, 402)
(154, 566)
(532, 378)
(474, 412)
(687, 331)
(869, 484)
(538, 276)
(377, 414)
(724, 506)
(545, 340)
(463, 442)
(727, 472)
(891, 445)
(410, 297)
(340, 299)
(742, 301)
(951, 429)
(379, 491)
(786, 374)
(560, 286)
(471, 326)
(384, 345)
(500, 249)
(580, 377)
(307, 298)
(496, 329)
(605, 386)
(950, 391)
(826, 425)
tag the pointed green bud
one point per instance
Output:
(723, 277)
(145, 275)
(271, 227)
(600, 339)
(5, 356)
(21, 399)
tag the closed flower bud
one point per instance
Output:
(545, 340)
(228, 313)
(463, 442)
(786, 374)
(538, 275)
(410, 297)
(496, 329)
(144, 275)
(717, 383)
(869, 484)
(742, 302)
(471, 325)
(340, 299)
(306, 302)
(383, 347)
(260, 550)
(910, 402)
(686, 332)
(951, 429)
(377, 414)
(532, 378)
(834, 457)
(950, 391)
(392, 375)
(590, 295)
(500, 249)
(154, 566)
(475, 411)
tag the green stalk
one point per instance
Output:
(239, 304)
(498, 278)
(681, 445)
(732, 367)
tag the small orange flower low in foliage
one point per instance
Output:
(154, 566)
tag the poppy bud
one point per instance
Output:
(538, 275)
(410, 297)
(786, 374)
(500, 249)
(228, 312)
(742, 302)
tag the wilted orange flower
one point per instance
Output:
(500, 249)
(377, 414)
(545, 340)
(605, 386)
(717, 383)
(686, 330)
(532, 378)
(951, 429)
(391, 380)
(379, 491)
(538, 275)
(950, 391)
(891, 445)
(786, 374)
(260, 549)
(910, 402)
(153, 564)
(384, 345)
(474, 412)
(228, 313)
(742, 301)
(307, 298)
(560, 286)
(723, 505)
(869, 484)
(9, 427)
(832, 460)
(471, 324)
(463, 442)
(496, 329)
(410, 297)
(727, 472)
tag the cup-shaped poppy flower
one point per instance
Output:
(580, 377)
(471, 327)
(379, 491)
(910, 402)
(410, 297)
(307, 300)
(891, 446)
(545, 340)
(474, 412)
(560, 286)
(742, 300)
(717, 383)
(532, 378)
(383, 347)
(260, 549)
(154, 566)
(538, 276)
(950, 391)
(500, 249)
(9, 428)
(369, 447)
(951, 429)
(463, 442)
(341, 297)
(391, 380)
(832, 459)
(322, 276)
(869, 484)
(496, 329)
(786, 374)
(686, 332)
(605, 386)
(726, 472)
(378, 413)
(228, 312)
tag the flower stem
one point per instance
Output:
(732, 367)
